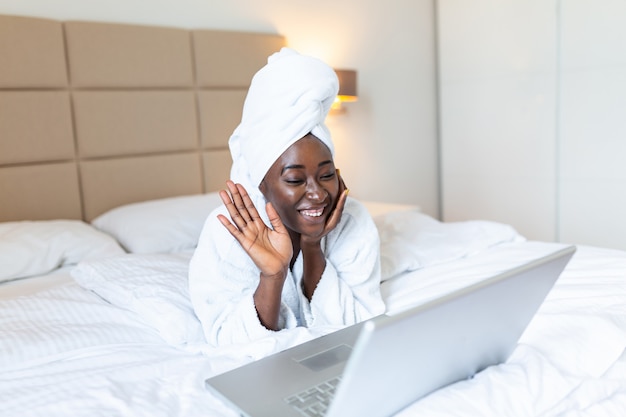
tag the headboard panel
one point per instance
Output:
(33, 53)
(95, 115)
(106, 55)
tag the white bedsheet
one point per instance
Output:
(570, 361)
(27, 286)
(88, 357)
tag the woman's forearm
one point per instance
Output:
(314, 264)
(267, 300)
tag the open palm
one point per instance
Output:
(269, 248)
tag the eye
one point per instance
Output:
(293, 181)
(328, 176)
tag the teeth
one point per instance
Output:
(313, 213)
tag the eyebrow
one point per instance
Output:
(297, 166)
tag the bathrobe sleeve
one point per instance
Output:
(349, 290)
(222, 281)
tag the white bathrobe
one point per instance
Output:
(223, 278)
(287, 99)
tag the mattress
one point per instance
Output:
(112, 332)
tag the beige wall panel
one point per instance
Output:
(110, 123)
(119, 116)
(216, 166)
(32, 53)
(111, 183)
(230, 59)
(220, 114)
(35, 126)
(117, 55)
(41, 192)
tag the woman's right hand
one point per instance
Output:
(270, 249)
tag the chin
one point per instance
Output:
(313, 230)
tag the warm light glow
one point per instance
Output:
(348, 99)
(347, 90)
(336, 106)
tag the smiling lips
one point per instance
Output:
(313, 213)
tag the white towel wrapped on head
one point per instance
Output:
(288, 99)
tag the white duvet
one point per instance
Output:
(570, 361)
(68, 351)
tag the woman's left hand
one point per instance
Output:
(335, 215)
(314, 259)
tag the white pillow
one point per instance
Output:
(166, 225)
(30, 248)
(412, 240)
(153, 286)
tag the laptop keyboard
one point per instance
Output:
(314, 401)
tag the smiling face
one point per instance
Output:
(303, 186)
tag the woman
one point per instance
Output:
(288, 248)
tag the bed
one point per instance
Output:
(113, 144)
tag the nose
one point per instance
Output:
(315, 192)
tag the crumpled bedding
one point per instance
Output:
(570, 361)
(88, 356)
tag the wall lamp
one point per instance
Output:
(347, 90)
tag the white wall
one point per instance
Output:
(386, 142)
(533, 116)
(497, 110)
(592, 122)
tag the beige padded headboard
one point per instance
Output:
(95, 115)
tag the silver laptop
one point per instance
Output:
(380, 366)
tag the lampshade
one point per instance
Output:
(347, 85)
